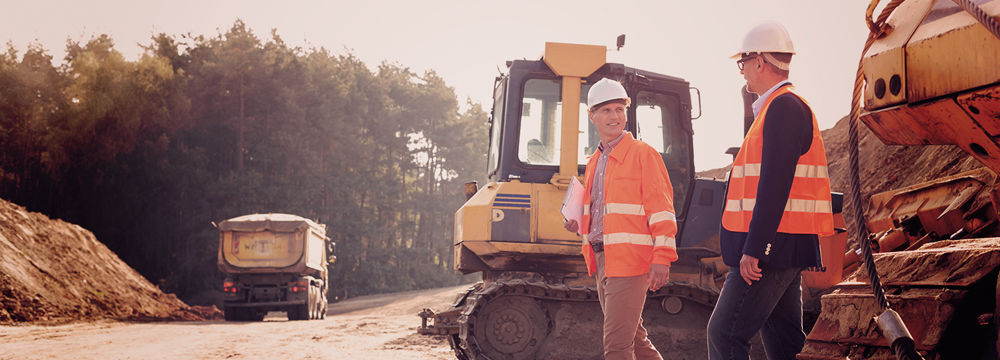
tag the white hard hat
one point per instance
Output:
(766, 37)
(604, 90)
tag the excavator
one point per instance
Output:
(927, 255)
(536, 300)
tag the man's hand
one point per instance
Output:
(659, 274)
(570, 225)
(749, 269)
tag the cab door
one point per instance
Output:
(660, 116)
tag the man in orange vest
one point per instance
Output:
(628, 223)
(777, 204)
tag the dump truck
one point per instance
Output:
(927, 257)
(274, 262)
(536, 299)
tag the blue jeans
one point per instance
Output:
(772, 305)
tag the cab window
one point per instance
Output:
(541, 124)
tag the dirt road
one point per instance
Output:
(369, 327)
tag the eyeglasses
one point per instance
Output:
(739, 63)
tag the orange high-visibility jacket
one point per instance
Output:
(808, 209)
(639, 220)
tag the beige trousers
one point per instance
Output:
(622, 299)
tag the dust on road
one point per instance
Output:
(369, 327)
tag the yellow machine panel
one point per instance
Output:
(549, 219)
(506, 221)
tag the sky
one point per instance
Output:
(466, 42)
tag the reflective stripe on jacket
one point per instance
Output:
(639, 220)
(808, 209)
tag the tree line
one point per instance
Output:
(147, 153)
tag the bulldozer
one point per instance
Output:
(926, 285)
(536, 299)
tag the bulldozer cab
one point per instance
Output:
(525, 141)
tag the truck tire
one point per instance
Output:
(231, 314)
(298, 312)
(322, 312)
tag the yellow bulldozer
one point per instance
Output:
(536, 300)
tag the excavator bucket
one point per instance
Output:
(945, 292)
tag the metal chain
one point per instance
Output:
(980, 15)
(878, 29)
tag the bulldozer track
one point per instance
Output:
(525, 341)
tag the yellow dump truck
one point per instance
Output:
(274, 262)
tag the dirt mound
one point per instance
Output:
(885, 167)
(882, 167)
(52, 271)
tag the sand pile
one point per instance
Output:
(52, 271)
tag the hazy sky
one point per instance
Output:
(466, 41)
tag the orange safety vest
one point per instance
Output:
(639, 220)
(808, 209)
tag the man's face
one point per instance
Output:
(750, 67)
(609, 119)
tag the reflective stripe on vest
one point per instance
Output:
(636, 209)
(801, 170)
(624, 209)
(639, 239)
(809, 206)
(795, 205)
(662, 216)
(626, 238)
(665, 241)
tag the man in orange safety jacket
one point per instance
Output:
(628, 223)
(778, 203)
